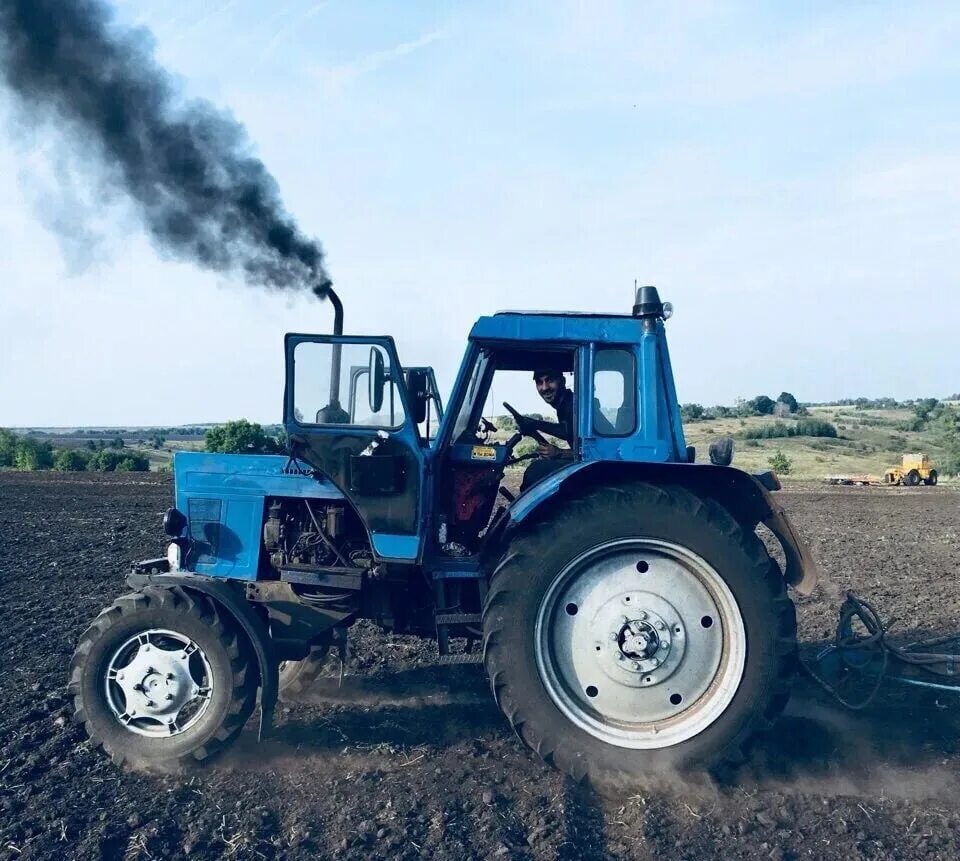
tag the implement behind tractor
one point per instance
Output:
(627, 613)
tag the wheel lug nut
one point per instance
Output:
(642, 617)
(169, 697)
(614, 636)
(664, 646)
(660, 626)
(636, 665)
(621, 657)
(655, 662)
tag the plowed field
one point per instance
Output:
(413, 761)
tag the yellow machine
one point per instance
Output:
(914, 469)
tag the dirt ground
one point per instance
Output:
(418, 763)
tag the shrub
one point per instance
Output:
(691, 412)
(780, 463)
(8, 447)
(240, 437)
(805, 427)
(70, 460)
(31, 455)
(133, 463)
(111, 460)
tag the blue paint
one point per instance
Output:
(223, 497)
(651, 433)
(396, 548)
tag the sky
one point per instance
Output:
(788, 175)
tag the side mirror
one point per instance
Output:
(418, 393)
(377, 378)
(721, 452)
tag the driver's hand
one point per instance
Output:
(548, 451)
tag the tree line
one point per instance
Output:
(29, 454)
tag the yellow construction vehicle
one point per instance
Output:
(914, 469)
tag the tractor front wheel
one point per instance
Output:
(912, 478)
(162, 677)
(637, 629)
(296, 677)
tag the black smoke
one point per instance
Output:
(187, 166)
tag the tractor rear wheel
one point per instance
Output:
(639, 628)
(162, 677)
(932, 478)
(912, 478)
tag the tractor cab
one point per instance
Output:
(421, 479)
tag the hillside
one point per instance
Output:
(868, 442)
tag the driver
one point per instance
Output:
(552, 387)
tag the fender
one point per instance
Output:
(225, 594)
(742, 494)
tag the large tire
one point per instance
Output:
(296, 677)
(932, 479)
(615, 546)
(162, 677)
(912, 478)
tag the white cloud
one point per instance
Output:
(335, 78)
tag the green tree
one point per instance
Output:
(789, 400)
(780, 463)
(947, 431)
(762, 405)
(133, 463)
(8, 447)
(691, 412)
(240, 437)
(116, 442)
(31, 455)
(925, 408)
(70, 459)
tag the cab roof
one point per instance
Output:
(557, 326)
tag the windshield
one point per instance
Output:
(475, 393)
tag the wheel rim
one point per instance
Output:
(158, 683)
(640, 643)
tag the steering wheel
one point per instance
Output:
(523, 429)
(523, 425)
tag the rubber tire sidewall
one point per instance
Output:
(144, 750)
(737, 556)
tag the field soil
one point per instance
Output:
(409, 760)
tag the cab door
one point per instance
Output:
(346, 413)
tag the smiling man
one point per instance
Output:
(552, 387)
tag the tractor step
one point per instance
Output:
(459, 619)
(462, 658)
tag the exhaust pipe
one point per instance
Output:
(324, 290)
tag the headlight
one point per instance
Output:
(173, 555)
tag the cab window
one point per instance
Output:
(614, 392)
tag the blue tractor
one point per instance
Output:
(627, 613)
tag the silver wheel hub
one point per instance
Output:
(640, 643)
(158, 683)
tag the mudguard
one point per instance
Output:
(741, 493)
(226, 595)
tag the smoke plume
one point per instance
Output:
(187, 166)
